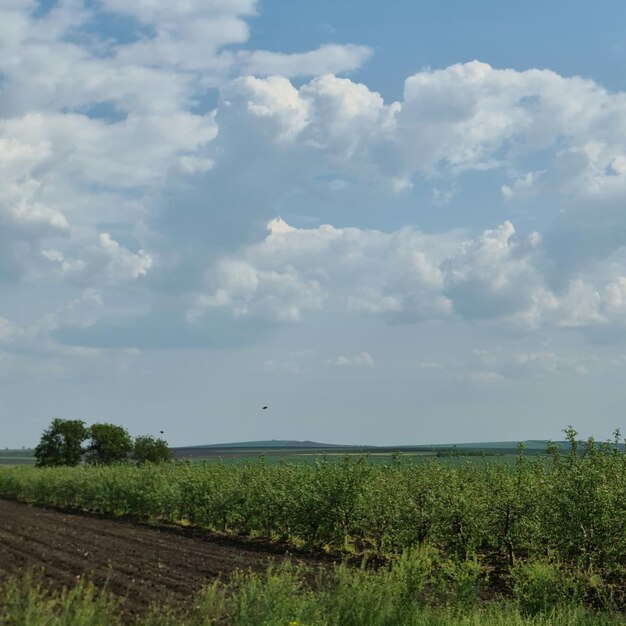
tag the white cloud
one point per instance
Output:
(494, 275)
(360, 360)
(462, 118)
(484, 378)
(116, 175)
(281, 295)
(345, 269)
(307, 361)
(535, 364)
(408, 276)
(6, 329)
(327, 59)
(187, 35)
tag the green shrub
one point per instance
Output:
(539, 585)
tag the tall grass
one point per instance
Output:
(414, 591)
(25, 602)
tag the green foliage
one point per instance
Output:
(539, 585)
(148, 449)
(108, 443)
(61, 443)
(25, 602)
(286, 595)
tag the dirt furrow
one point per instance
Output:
(136, 561)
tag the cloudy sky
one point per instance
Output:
(390, 225)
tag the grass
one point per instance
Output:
(24, 601)
(415, 591)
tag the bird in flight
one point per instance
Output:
(161, 431)
(263, 408)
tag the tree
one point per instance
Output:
(149, 449)
(108, 444)
(61, 443)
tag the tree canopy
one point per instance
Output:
(150, 449)
(61, 443)
(108, 443)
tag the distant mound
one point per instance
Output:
(529, 444)
(273, 443)
(502, 447)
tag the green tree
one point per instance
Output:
(108, 443)
(61, 443)
(150, 449)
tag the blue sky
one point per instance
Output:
(568, 37)
(388, 225)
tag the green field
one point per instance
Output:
(273, 452)
(283, 452)
(380, 458)
(17, 457)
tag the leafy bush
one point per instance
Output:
(148, 449)
(539, 585)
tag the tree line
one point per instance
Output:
(71, 442)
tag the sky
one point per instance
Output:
(390, 225)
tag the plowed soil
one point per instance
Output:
(138, 562)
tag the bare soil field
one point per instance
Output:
(138, 562)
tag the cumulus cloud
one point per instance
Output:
(92, 125)
(297, 270)
(407, 276)
(25, 221)
(494, 275)
(120, 172)
(467, 117)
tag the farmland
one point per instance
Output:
(301, 453)
(17, 457)
(484, 540)
(139, 562)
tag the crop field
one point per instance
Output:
(304, 455)
(139, 562)
(481, 541)
(17, 457)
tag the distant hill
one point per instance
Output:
(274, 443)
(505, 447)
(529, 444)
(532, 444)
